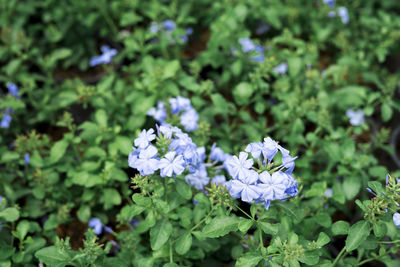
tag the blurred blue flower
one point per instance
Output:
(270, 148)
(199, 178)
(281, 68)
(219, 180)
(262, 28)
(189, 119)
(12, 89)
(247, 45)
(154, 28)
(332, 14)
(179, 104)
(96, 225)
(217, 154)
(169, 24)
(159, 113)
(105, 58)
(356, 117)
(27, 158)
(396, 219)
(171, 164)
(5, 122)
(328, 193)
(329, 2)
(343, 14)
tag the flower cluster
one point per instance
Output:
(281, 68)
(248, 46)
(356, 117)
(168, 27)
(262, 184)
(179, 106)
(98, 226)
(6, 120)
(105, 58)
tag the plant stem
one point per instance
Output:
(338, 256)
(205, 218)
(260, 237)
(245, 213)
(171, 255)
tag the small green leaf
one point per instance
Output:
(10, 214)
(340, 228)
(184, 189)
(171, 69)
(386, 112)
(101, 117)
(53, 256)
(310, 258)
(242, 93)
(84, 213)
(351, 187)
(357, 234)
(58, 150)
(22, 229)
(268, 228)
(245, 224)
(249, 259)
(221, 226)
(379, 228)
(160, 234)
(323, 239)
(183, 243)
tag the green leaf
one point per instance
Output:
(10, 214)
(141, 200)
(289, 210)
(53, 256)
(22, 229)
(310, 258)
(379, 228)
(220, 226)
(245, 224)
(84, 213)
(184, 189)
(160, 234)
(340, 228)
(111, 197)
(268, 228)
(323, 239)
(242, 93)
(386, 112)
(101, 117)
(183, 243)
(58, 150)
(295, 65)
(351, 187)
(8, 156)
(249, 259)
(358, 233)
(171, 69)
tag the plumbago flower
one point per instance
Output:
(262, 184)
(248, 46)
(167, 27)
(356, 117)
(105, 58)
(179, 106)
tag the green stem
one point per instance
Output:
(389, 242)
(171, 255)
(260, 237)
(203, 220)
(338, 256)
(370, 259)
(245, 213)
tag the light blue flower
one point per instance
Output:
(328, 193)
(199, 178)
(273, 186)
(96, 225)
(332, 14)
(147, 163)
(179, 104)
(255, 149)
(259, 57)
(12, 89)
(169, 25)
(356, 117)
(247, 45)
(246, 191)
(238, 167)
(343, 14)
(189, 120)
(396, 219)
(105, 58)
(165, 130)
(159, 113)
(171, 164)
(27, 158)
(144, 138)
(270, 148)
(288, 162)
(329, 2)
(5, 122)
(281, 68)
(217, 154)
(154, 28)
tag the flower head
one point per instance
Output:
(396, 219)
(343, 14)
(238, 167)
(27, 158)
(5, 122)
(247, 45)
(144, 138)
(169, 24)
(105, 58)
(171, 164)
(12, 89)
(281, 68)
(217, 154)
(147, 163)
(356, 117)
(189, 119)
(96, 225)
